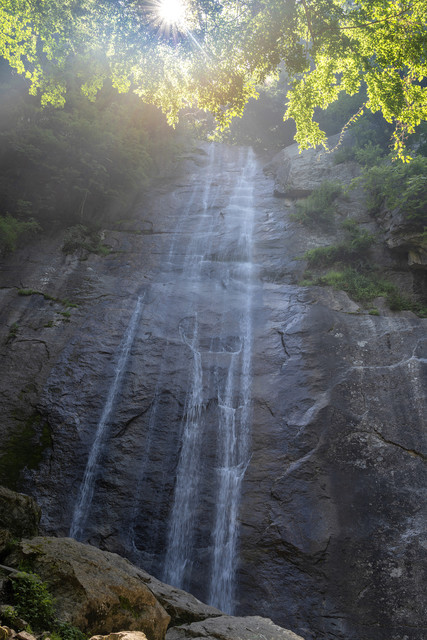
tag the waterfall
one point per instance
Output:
(87, 486)
(234, 425)
(181, 463)
(181, 527)
(221, 368)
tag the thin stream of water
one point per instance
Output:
(85, 495)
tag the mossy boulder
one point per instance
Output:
(97, 591)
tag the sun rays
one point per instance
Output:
(169, 17)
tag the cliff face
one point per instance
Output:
(330, 520)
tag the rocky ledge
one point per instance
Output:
(99, 592)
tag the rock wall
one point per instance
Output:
(331, 520)
(332, 517)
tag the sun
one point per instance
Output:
(169, 16)
(172, 12)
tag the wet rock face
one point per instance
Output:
(330, 523)
(340, 452)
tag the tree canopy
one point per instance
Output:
(223, 49)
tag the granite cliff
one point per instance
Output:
(330, 521)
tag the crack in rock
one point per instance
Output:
(412, 452)
(282, 339)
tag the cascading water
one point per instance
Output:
(231, 364)
(179, 450)
(85, 495)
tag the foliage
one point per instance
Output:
(32, 600)
(13, 230)
(261, 125)
(399, 186)
(318, 209)
(67, 631)
(9, 615)
(363, 287)
(369, 155)
(226, 50)
(379, 43)
(352, 249)
(12, 332)
(47, 296)
(34, 603)
(353, 272)
(81, 237)
(73, 166)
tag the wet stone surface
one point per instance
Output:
(327, 404)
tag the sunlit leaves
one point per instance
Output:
(381, 43)
(228, 46)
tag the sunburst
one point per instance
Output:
(170, 17)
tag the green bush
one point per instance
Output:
(12, 332)
(33, 601)
(318, 209)
(9, 616)
(12, 230)
(402, 186)
(81, 237)
(364, 287)
(369, 155)
(79, 164)
(344, 154)
(360, 287)
(67, 631)
(47, 296)
(353, 248)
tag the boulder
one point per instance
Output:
(19, 516)
(24, 635)
(180, 605)
(97, 591)
(232, 628)
(122, 635)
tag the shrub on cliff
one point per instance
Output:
(318, 209)
(13, 230)
(353, 249)
(399, 186)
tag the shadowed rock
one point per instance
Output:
(19, 516)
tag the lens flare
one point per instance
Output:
(170, 17)
(172, 12)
